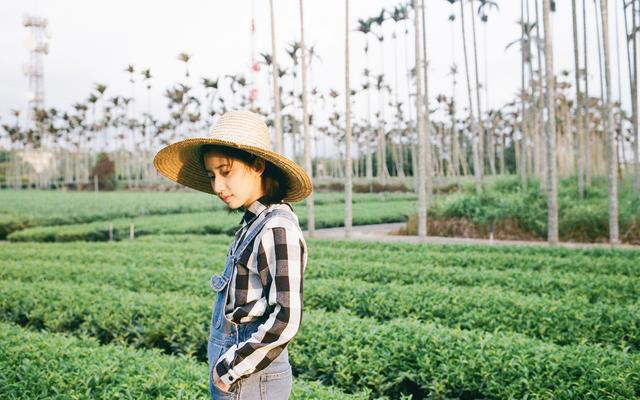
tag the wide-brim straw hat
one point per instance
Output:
(182, 161)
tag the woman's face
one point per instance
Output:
(233, 181)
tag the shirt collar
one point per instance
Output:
(253, 210)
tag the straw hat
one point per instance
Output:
(182, 161)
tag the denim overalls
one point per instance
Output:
(273, 382)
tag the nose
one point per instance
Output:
(218, 185)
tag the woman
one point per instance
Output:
(258, 305)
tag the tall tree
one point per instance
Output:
(427, 120)
(364, 26)
(347, 117)
(383, 171)
(633, 73)
(609, 129)
(184, 57)
(305, 123)
(422, 198)
(587, 134)
(579, 99)
(472, 119)
(276, 84)
(550, 128)
(481, 133)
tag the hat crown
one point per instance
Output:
(242, 127)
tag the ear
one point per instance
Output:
(259, 165)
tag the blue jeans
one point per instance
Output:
(273, 382)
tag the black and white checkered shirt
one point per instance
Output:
(268, 280)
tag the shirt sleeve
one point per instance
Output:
(283, 251)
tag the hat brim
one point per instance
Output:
(182, 163)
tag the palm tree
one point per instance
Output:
(587, 135)
(276, 84)
(633, 73)
(474, 129)
(184, 57)
(364, 26)
(131, 70)
(383, 172)
(101, 88)
(579, 100)
(427, 120)
(481, 133)
(540, 153)
(422, 198)
(525, 38)
(550, 128)
(486, 5)
(348, 170)
(305, 122)
(399, 14)
(609, 129)
(211, 86)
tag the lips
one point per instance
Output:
(226, 198)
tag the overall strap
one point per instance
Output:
(254, 232)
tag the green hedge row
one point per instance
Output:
(425, 359)
(139, 259)
(21, 209)
(55, 366)
(197, 250)
(562, 321)
(211, 222)
(342, 350)
(553, 283)
(467, 258)
(150, 275)
(568, 320)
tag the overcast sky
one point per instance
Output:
(94, 41)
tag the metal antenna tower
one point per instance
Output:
(37, 46)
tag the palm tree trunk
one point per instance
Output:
(455, 151)
(276, 84)
(383, 171)
(395, 158)
(481, 133)
(579, 101)
(542, 158)
(422, 150)
(502, 140)
(401, 148)
(348, 187)
(491, 148)
(368, 131)
(633, 73)
(587, 134)
(522, 165)
(474, 130)
(305, 117)
(610, 131)
(427, 119)
(550, 127)
(634, 96)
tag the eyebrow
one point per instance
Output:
(218, 167)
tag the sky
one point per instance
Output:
(94, 41)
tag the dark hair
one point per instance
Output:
(274, 182)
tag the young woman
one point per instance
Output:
(258, 304)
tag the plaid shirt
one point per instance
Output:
(268, 280)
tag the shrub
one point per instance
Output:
(105, 172)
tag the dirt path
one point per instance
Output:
(386, 233)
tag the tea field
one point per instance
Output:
(82, 317)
